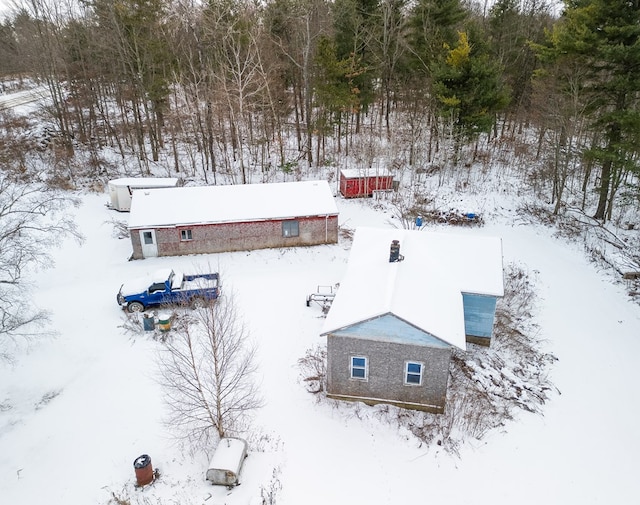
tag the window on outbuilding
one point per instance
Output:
(413, 373)
(186, 235)
(147, 237)
(359, 368)
(290, 228)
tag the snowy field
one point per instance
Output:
(76, 410)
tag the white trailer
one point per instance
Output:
(121, 190)
(226, 463)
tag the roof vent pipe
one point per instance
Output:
(394, 252)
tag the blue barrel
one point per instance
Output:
(418, 222)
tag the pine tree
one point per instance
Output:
(432, 25)
(469, 90)
(354, 24)
(604, 36)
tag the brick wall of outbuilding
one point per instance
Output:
(225, 237)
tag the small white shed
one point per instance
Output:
(121, 190)
(226, 463)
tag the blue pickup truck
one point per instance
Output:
(169, 287)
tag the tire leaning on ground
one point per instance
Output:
(135, 307)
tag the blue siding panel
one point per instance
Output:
(479, 314)
(389, 328)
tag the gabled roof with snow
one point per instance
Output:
(156, 208)
(425, 289)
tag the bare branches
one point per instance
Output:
(313, 368)
(33, 219)
(207, 372)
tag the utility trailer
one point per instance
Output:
(323, 296)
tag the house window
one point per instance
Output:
(413, 373)
(359, 369)
(147, 237)
(290, 228)
(186, 235)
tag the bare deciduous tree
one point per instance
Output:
(32, 220)
(207, 371)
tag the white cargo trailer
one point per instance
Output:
(121, 190)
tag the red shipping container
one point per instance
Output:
(356, 183)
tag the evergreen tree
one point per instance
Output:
(469, 90)
(138, 54)
(334, 87)
(10, 63)
(604, 36)
(354, 27)
(432, 25)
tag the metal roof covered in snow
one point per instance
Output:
(157, 208)
(145, 182)
(425, 288)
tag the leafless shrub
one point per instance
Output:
(264, 442)
(423, 206)
(564, 224)
(129, 497)
(133, 325)
(346, 233)
(532, 213)
(117, 499)
(47, 397)
(120, 229)
(313, 368)
(451, 217)
(269, 493)
(488, 385)
(406, 208)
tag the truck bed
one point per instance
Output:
(199, 283)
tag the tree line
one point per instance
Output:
(237, 90)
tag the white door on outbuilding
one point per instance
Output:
(149, 244)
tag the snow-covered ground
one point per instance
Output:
(76, 410)
(24, 97)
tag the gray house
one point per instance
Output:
(407, 299)
(211, 219)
